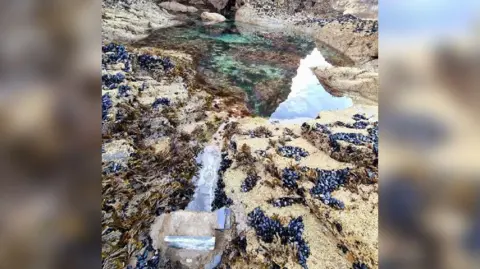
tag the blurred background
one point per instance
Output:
(50, 134)
(429, 145)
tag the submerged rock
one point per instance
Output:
(213, 17)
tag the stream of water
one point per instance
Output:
(207, 181)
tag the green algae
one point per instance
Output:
(230, 66)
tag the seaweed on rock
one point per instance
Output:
(244, 157)
(261, 132)
(357, 148)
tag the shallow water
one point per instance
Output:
(307, 96)
(257, 61)
(207, 180)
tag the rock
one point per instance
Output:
(366, 9)
(356, 83)
(124, 25)
(248, 14)
(179, 241)
(177, 7)
(345, 37)
(219, 4)
(299, 9)
(355, 36)
(214, 17)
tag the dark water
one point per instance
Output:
(241, 58)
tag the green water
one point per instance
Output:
(236, 56)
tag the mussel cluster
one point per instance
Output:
(123, 90)
(113, 54)
(361, 122)
(267, 229)
(161, 101)
(150, 63)
(111, 81)
(287, 201)
(328, 181)
(249, 183)
(290, 177)
(292, 152)
(366, 26)
(106, 105)
(221, 198)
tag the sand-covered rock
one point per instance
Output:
(336, 238)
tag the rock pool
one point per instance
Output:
(269, 67)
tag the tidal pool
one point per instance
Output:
(270, 67)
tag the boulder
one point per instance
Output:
(177, 7)
(213, 17)
(344, 36)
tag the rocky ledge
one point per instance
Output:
(356, 38)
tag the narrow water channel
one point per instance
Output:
(207, 180)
